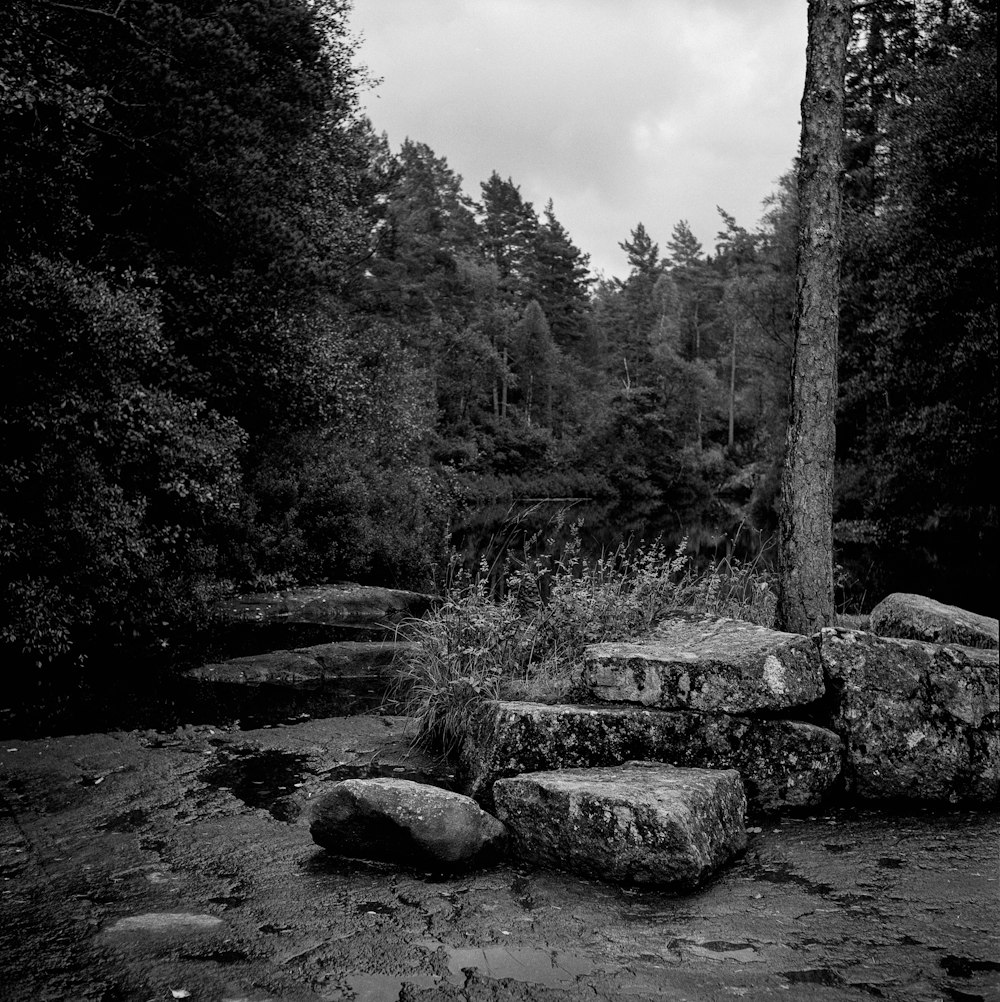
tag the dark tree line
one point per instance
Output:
(247, 343)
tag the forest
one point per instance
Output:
(247, 343)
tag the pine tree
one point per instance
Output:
(698, 292)
(636, 315)
(805, 527)
(428, 244)
(561, 281)
(643, 253)
(509, 226)
(535, 359)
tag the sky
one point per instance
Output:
(620, 111)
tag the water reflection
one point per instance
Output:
(954, 568)
(535, 529)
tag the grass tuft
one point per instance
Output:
(517, 627)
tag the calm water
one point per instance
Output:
(954, 570)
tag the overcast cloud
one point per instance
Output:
(619, 110)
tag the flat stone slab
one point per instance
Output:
(707, 664)
(639, 823)
(915, 617)
(919, 721)
(783, 763)
(399, 821)
(343, 603)
(306, 667)
(323, 680)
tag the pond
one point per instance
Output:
(951, 568)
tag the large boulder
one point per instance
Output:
(919, 721)
(707, 664)
(784, 763)
(642, 822)
(915, 617)
(399, 821)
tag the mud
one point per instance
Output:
(144, 866)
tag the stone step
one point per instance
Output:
(638, 823)
(783, 763)
(707, 664)
(324, 680)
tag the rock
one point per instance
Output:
(399, 821)
(302, 616)
(324, 680)
(642, 822)
(918, 720)
(783, 763)
(707, 664)
(917, 618)
(306, 667)
(343, 603)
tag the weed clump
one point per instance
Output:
(516, 628)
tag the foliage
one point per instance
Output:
(518, 627)
(111, 485)
(919, 368)
(181, 186)
(246, 343)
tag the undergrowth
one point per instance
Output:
(517, 627)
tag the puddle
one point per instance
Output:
(529, 965)
(374, 908)
(222, 957)
(260, 778)
(960, 995)
(965, 967)
(890, 863)
(814, 976)
(129, 821)
(380, 987)
(783, 875)
(744, 953)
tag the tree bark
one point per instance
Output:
(732, 389)
(503, 402)
(805, 516)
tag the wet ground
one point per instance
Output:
(144, 866)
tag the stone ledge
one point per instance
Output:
(784, 763)
(919, 721)
(707, 664)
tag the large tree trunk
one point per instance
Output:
(805, 519)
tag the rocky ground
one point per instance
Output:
(144, 866)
